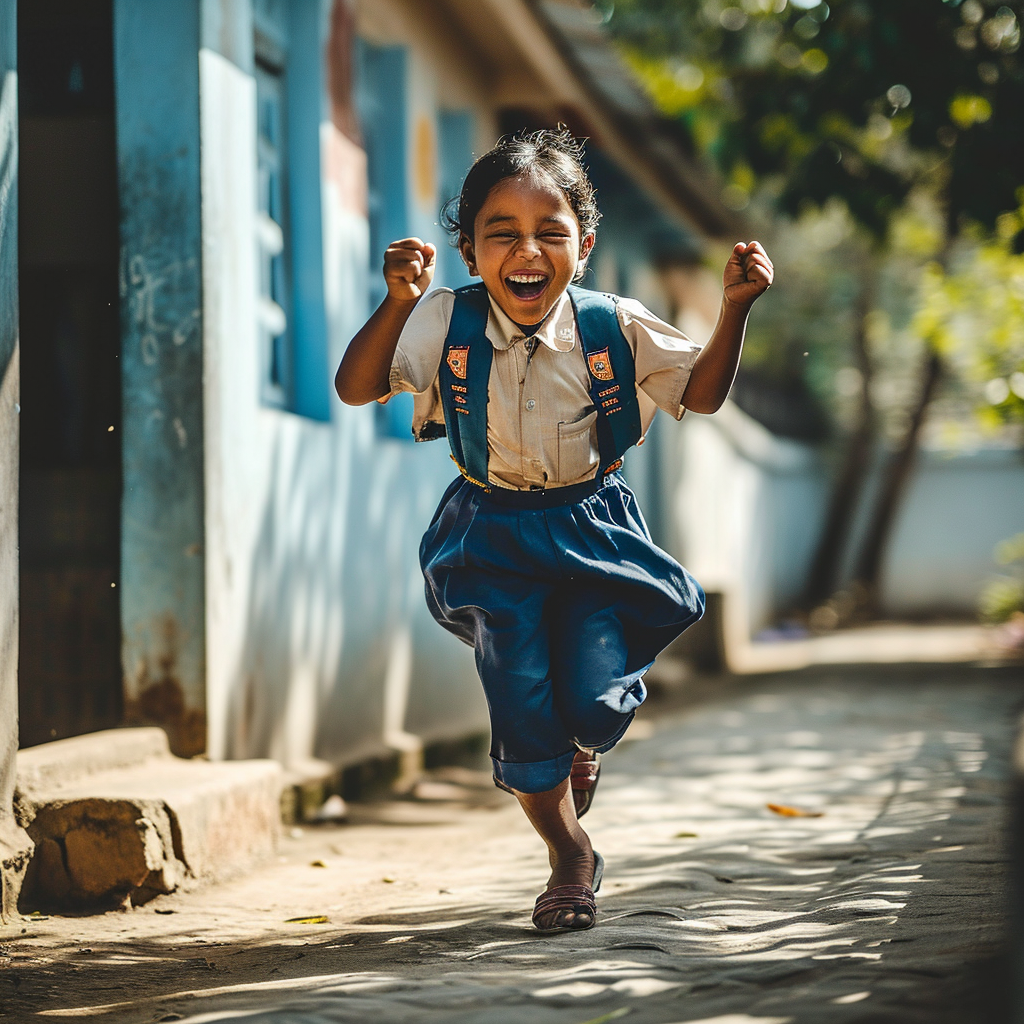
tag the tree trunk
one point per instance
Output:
(868, 566)
(822, 579)
(894, 484)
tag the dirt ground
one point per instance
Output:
(888, 904)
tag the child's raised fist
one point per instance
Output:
(409, 268)
(748, 273)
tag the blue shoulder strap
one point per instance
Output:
(464, 376)
(612, 374)
(465, 372)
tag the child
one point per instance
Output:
(538, 556)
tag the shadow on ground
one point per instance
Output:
(887, 907)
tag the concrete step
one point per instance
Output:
(116, 818)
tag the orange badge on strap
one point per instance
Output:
(457, 360)
(600, 365)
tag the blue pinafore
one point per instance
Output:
(561, 592)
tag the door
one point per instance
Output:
(70, 678)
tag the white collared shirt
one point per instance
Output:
(541, 420)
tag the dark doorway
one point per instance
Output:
(70, 491)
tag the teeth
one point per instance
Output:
(527, 278)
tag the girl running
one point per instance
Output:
(538, 556)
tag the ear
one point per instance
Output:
(468, 254)
(586, 244)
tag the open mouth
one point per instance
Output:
(527, 285)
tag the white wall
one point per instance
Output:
(744, 510)
(957, 509)
(744, 513)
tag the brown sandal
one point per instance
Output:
(583, 777)
(577, 898)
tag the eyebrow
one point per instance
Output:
(501, 218)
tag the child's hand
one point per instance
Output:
(748, 273)
(409, 268)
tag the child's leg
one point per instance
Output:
(570, 855)
(595, 693)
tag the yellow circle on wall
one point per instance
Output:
(425, 162)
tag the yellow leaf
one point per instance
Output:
(793, 812)
(315, 919)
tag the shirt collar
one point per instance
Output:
(558, 331)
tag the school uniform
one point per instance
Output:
(538, 555)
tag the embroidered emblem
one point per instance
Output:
(608, 402)
(460, 388)
(617, 464)
(465, 412)
(459, 398)
(457, 360)
(608, 391)
(567, 333)
(600, 365)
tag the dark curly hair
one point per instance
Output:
(554, 153)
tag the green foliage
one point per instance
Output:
(803, 334)
(854, 99)
(1005, 595)
(973, 314)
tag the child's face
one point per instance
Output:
(526, 246)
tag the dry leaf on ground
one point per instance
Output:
(793, 812)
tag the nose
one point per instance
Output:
(528, 247)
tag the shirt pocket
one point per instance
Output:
(577, 448)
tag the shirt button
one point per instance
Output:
(531, 405)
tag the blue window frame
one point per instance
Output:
(383, 115)
(384, 118)
(292, 321)
(455, 134)
(272, 229)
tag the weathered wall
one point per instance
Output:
(14, 844)
(157, 86)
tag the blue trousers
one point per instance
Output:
(566, 601)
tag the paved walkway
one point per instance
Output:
(888, 907)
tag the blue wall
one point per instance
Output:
(156, 56)
(8, 186)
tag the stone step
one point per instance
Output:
(116, 818)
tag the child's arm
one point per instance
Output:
(748, 274)
(365, 369)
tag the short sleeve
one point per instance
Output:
(664, 356)
(418, 354)
(417, 359)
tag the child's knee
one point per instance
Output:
(596, 719)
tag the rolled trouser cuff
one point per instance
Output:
(540, 776)
(534, 776)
